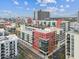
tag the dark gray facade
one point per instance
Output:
(41, 15)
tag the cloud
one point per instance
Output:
(63, 14)
(72, 0)
(15, 2)
(51, 9)
(39, 1)
(47, 1)
(61, 6)
(67, 6)
(27, 8)
(62, 10)
(34, 9)
(67, 0)
(20, 7)
(26, 3)
(55, 9)
(7, 11)
(43, 4)
(50, 1)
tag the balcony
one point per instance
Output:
(2, 48)
(2, 52)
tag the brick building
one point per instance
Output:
(44, 40)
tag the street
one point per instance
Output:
(59, 54)
(27, 53)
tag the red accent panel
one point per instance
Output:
(59, 21)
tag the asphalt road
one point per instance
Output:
(59, 54)
(27, 52)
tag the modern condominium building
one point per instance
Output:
(60, 37)
(26, 33)
(2, 32)
(48, 39)
(72, 45)
(8, 47)
(44, 39)
(65, 25)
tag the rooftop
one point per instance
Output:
(9, 37)
(73, 32)
(2, 30)
(47, 30)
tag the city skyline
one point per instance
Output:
(26, 7)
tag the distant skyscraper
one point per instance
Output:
(78, 16)
(43, 15)
(34, 15)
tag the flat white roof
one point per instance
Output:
(2, 30)
(47, 30)
(51, 21)
(73, 32)
(28, 28)
(9, 38)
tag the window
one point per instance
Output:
(68, 26)
(44, 23)
(23, 36)
(68, 44)
(49, 24)
(28, 37)
(72, 43)
(1, 34)
(19, 34)
(68, 37)
(41, 24)
(53, 24)
(63, 26)
(2, 45)
(10, 42)
(6, 33)
(43, 45)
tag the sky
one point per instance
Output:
(57, 8)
